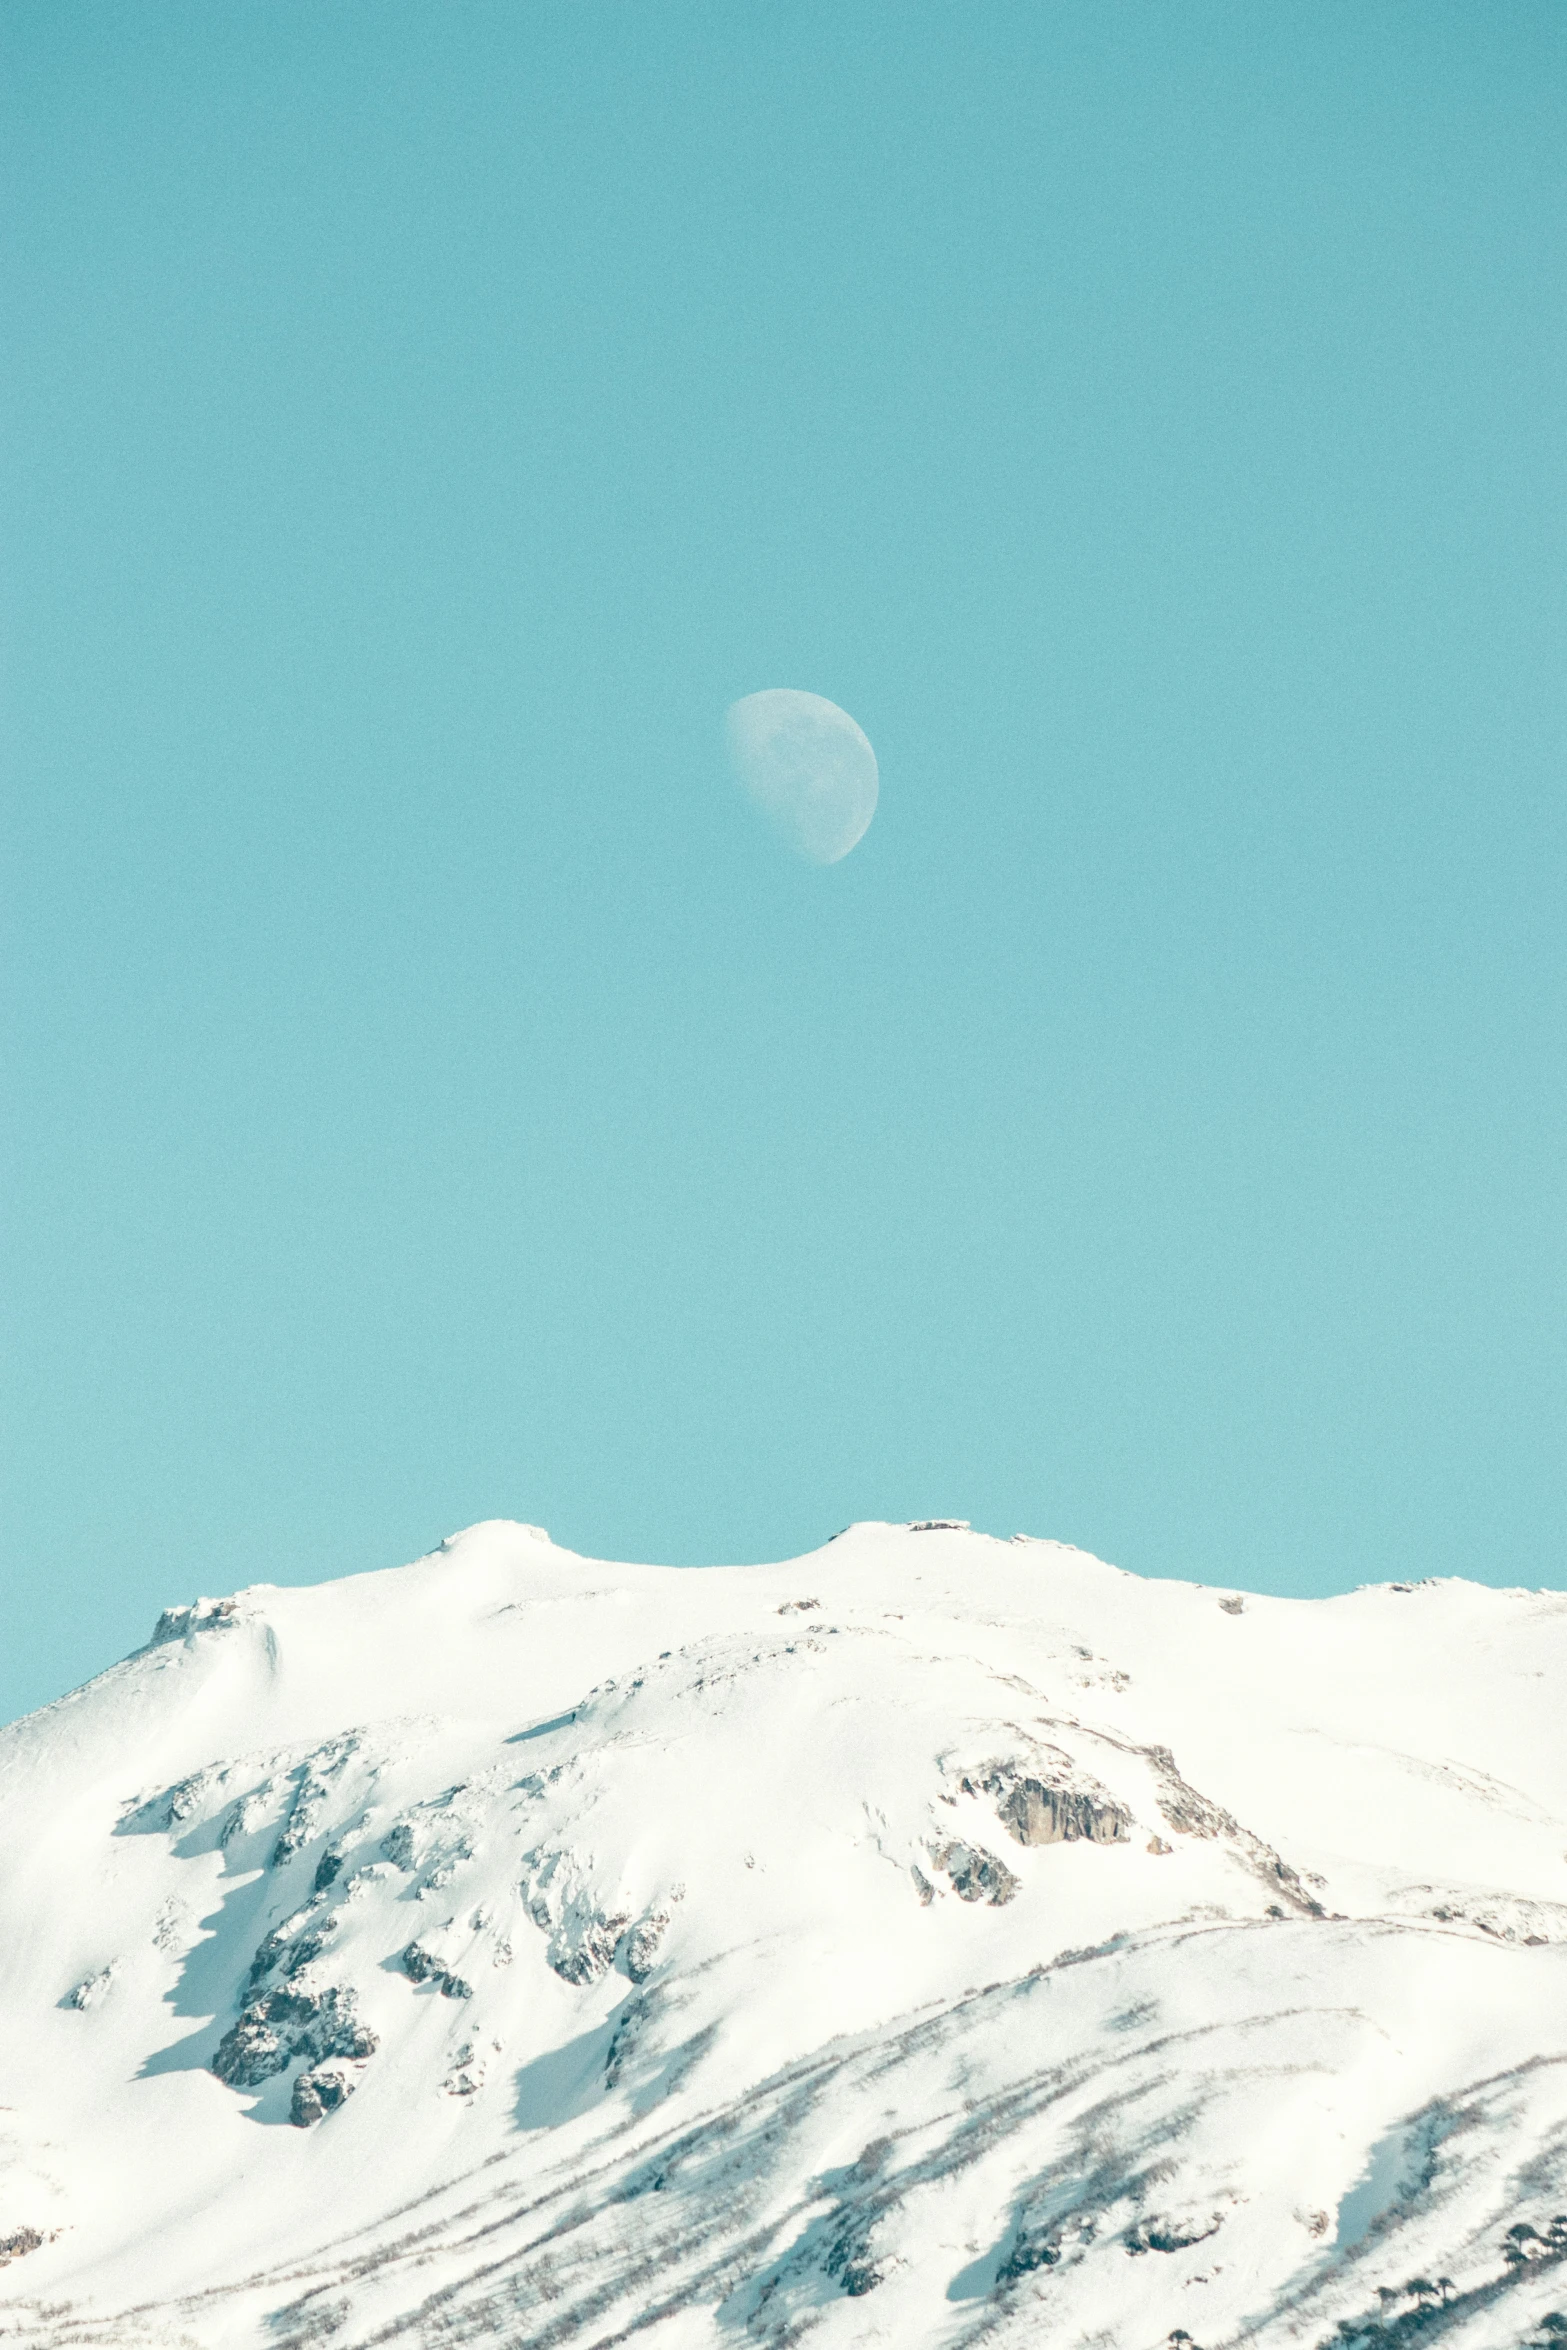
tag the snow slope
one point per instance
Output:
(930, 1941)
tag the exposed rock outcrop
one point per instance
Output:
(318, 2091)
(1039, 1813)
(975, 1875)
(316, 1783)
(422, 1965)
(91, 1990)
(1164, 2233)
(200, 1615)
(584, 1938)
(1050, 1799)
(1043, 2242)
(470, 2066)
(642, 1945)
(582, 1956)
(293, 1945)
(283, 2025)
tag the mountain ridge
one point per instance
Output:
(933, 1939)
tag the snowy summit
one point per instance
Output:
(930, 1941)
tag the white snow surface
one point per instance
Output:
(931, 1941)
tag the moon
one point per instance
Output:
(808, 768)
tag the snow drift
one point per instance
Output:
(930, 1941)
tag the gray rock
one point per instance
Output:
(398, 1845)
(315, 1782)
(318, 2091)
(642, 1945)
(589, 1953)
(1045, 1806)
(201, 1615)
(282, 2025)
(422, 1966)
(975, 1875)
(289, 1949)
(1039, 1814)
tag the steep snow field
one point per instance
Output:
(930, 1941)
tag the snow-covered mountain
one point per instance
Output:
(930, 1941)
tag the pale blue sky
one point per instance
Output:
(432, 1095)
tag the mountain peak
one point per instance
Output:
(929, 1938)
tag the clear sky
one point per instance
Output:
(431, 1094)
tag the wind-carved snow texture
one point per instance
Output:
(934, 1942)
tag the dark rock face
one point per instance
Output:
(423, 1966)
(1044, 1806)
(318, 2091)
(313, 1790)
(282, 2025)
(1029, 2252)
(1039, 1814)
(171, 1806)
(1043, 2240)
(849, 2260)
(975, 1875)
(590, 1954)
(289, 1949)
(19, 2240)
(642, 1945)
(398, 1845)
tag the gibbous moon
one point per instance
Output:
(808, 768)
